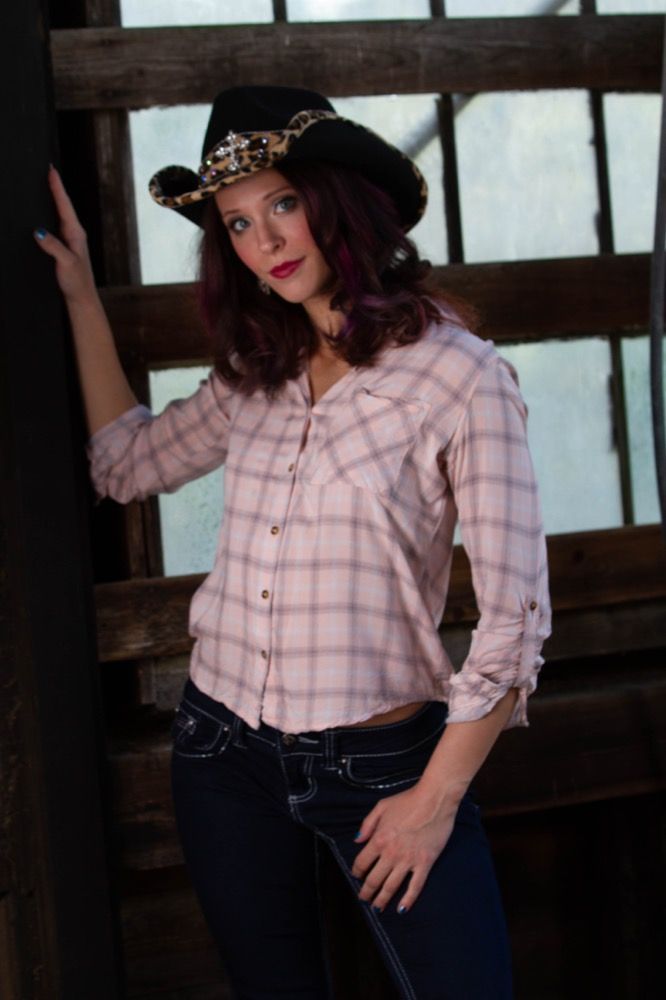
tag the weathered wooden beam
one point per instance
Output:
(143, 67)
(158, 325)
(588, 570)
(607, 753)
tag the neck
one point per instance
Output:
(326, 323)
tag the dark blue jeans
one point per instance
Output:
(254, 806)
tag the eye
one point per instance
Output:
(286, 203)
(238, 225)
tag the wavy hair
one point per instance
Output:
(379, 284)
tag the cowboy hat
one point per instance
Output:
(252, 128)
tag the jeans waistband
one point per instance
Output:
(362, 740)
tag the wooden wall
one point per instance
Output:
(574, 805)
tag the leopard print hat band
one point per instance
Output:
(316, 133)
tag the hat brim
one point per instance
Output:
(329, 138)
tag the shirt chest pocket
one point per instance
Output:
(365, 443)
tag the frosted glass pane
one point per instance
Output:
(159, 13)
(527, 176)
(356, 10)
(160, 136)
(632, 135)
(631, 6)
(566, 387)
(190, 517)
(409, 121)
(636, 358)
(168, 243)
(509, 8)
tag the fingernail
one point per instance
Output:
(357, 835)
(40, 233)
(402, 908)
(377, 909)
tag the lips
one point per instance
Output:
(286, 269)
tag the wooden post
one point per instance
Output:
(57, 921)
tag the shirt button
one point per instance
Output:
(288, 739)
(533, 606)
(291, 467)
(274, 529)
(264, 594)
(264, 654)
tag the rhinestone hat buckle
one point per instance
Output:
(228, 150)
(231, 146)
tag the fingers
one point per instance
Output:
(63, 203)
(369, 825)
(375, 881)
(389, 887)
(51, 245)
(416, 883)
(385, 879)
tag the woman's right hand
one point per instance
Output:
(70, 252)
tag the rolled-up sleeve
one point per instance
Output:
(139, 454)
(491, 475)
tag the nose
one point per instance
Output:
(268, 238)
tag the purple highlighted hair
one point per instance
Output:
(380, 284)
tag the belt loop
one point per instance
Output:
(238, 732)
(330, 750)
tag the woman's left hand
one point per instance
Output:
(404, 834)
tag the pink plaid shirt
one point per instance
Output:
(335, 549)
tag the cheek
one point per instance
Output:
(244, 253)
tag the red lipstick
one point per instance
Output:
(284, 270)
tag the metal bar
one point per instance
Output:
(279, 10)
(606, 245)
(657, 278)
(447, 137)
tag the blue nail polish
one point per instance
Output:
(377, 909)
(40, 233)
(402, 909)
(357, 835)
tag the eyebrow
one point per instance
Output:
(270, 194)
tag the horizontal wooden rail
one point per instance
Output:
(143, 67)
(589, 572)
(615, 745)
(157, 325)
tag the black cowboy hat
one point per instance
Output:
(251, 128)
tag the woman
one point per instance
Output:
(357, 419)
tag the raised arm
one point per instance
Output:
(106, 391)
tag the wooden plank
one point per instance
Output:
(52, 800)
(9, 976)
(618, 628)
(143, 67)
(597, 569)
(615, 746)
(582, 890)
(158, 325)
(167, 946)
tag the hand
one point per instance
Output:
(403, 834)
(73, 268)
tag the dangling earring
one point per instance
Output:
(264, 287)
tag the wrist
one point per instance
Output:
(442, 795)
(86, 297)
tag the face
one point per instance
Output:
(269, 231)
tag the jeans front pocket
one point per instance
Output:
(194, 733)
(395, 770)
